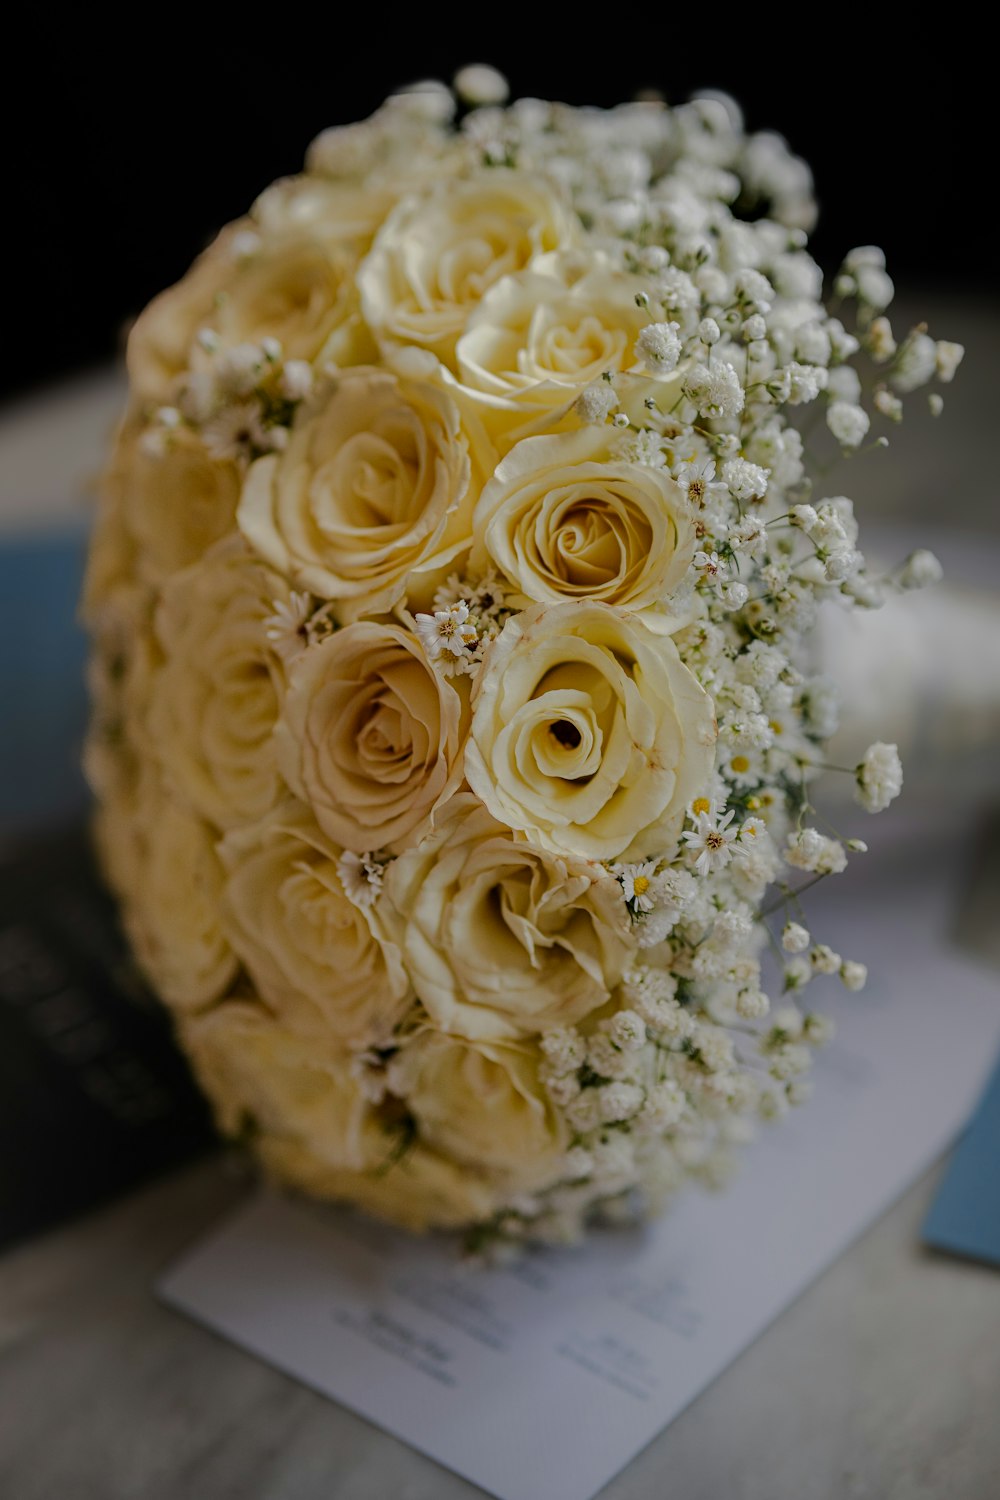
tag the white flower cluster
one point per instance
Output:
(451, 599)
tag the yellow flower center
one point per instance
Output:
(740, 764)
(700, 805)
(640, 884)
(714, 840)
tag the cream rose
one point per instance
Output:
(216, 697)
(373, 487)
(263, 1077)
(566, 517)
(481, 1103)
(588, 732)
(538, 337)
(171, 902)
(414, 1187)
(295, 284)
(371, 736)
(323, 965)
(439, 251)
(311, 1124)
(502, 939)
(171, 501)
(330, 211)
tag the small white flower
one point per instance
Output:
(750, 536)
(361, 877)
(699, 483)
(564, 1049)
(710, 565)
(286, 627)
(844, 384)
(716, 390)
(664, 1105)
(888, 405)
(660, 347)
(449, 637)
(734, 595)
(745, 481)
(915, 363)
(824, 960)
(237, 370)
(296, 380)
(805, 382)
(848, 423)
(794, 938)
(637, 884)
(920, 570)
(596, 402)
(628, 1031)
(853, 974)
(874, 285)
(879, 776)
(245, 244)
(578, 1163)
(948, 358)
(478, 83)
(881, 343)
(709, 332)
(810, 850)
(369, 1072)
(709, 842)
(752, 1004)
(619, 1101)
(235, 432)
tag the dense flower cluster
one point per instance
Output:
(451, 597)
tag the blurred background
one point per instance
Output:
(126, 153)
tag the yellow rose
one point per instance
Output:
(171, 902)
(481, 1103)
(313, 1127)
(293, 283)
(372, 488)
(565, 517)
(323, 965)
(588, 732)
(169, 498)
(119, 683)
(414, 1187)
(160, 341)
(438, 252)
(264, 1077)
(370, 736)
(332, 211)
(216, 698)
(538, 337)
(502, 939)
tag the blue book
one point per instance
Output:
(965, 1215)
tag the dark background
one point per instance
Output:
(128, 148)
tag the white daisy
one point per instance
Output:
(742, 769)
(699, 483)
(361, 877)
(235, 432)
(449, 637)
(286, 628)
(637, 884)
(709, 841)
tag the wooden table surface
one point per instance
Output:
(882, 1382)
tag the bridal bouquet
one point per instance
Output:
(451, 594)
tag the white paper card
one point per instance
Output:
(546, 1378)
